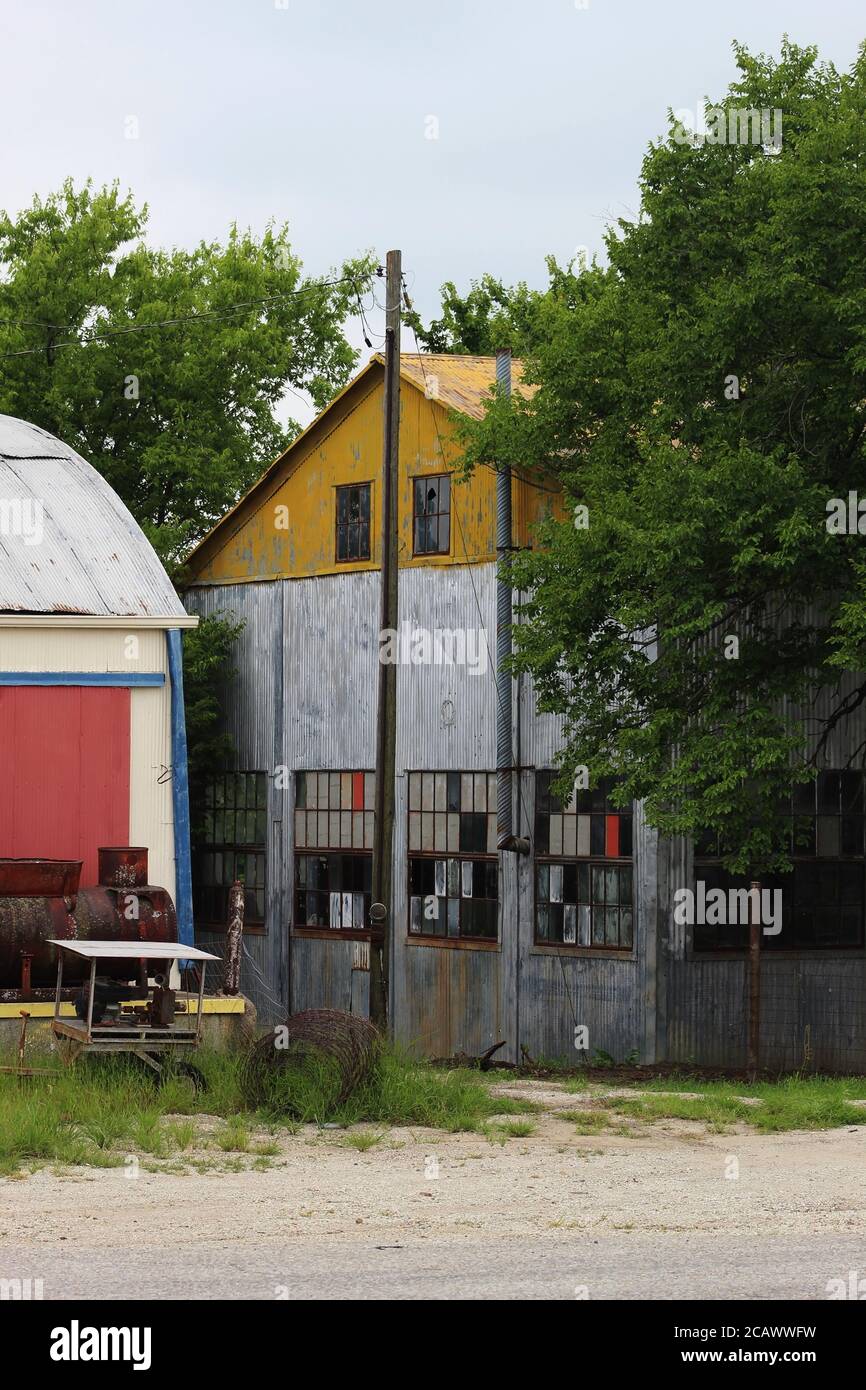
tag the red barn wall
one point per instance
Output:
(64, 772)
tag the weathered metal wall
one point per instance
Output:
(444, 998)
(562, 988)
(813, 1003)
(304, 698)
(253, 717)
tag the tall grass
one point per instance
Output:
(99, 1110)
(794, 1102)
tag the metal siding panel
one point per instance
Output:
(248, 699)
(66, 773)
(331, 669)
(321, 974)
(252, 713)
(447, 713)
(560, 990)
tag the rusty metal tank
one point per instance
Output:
(123, 907)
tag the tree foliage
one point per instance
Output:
(488, 317)
(179, 418)
(704, 396)
(208, 667)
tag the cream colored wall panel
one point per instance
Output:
(151, 814)
(82, 649)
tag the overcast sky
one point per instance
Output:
(319, 113)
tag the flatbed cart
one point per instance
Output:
(153, 1022)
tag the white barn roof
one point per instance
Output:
(67, 542)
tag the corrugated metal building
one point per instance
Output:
(576, 941)
(92, 734)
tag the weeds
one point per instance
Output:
(795, 1102)
(101, 1110)
(235, 1138)
(362, 1141)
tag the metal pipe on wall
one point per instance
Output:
(505, 836)
(504, 751)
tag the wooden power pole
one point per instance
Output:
(386, 720)
(754, 1043)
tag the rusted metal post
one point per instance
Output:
(200, 1009)
(234, 939)
(22, 1038)
(754, 976)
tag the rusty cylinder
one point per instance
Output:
(124, 907)
(122, 866)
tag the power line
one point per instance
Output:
(204, 315)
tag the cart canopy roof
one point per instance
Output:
(133, 950)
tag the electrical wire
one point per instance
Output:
(263, 988)
(227, 312)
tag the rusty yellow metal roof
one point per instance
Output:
(459, 383)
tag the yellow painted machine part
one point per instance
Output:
(231, 1005)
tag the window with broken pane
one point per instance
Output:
(824, 896)
(584, 893)
(432, 515)
(453, 862)
(231, 847)
(333, 849)
(353, 522)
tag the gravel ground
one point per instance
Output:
(483, 1212)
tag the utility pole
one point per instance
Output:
(754, 1042)
(386, 720)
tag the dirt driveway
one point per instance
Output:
(671, 1176)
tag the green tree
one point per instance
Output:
(489, 316)
(208, 666)
(180, 417)
(703, 398)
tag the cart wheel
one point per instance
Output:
(187, 1070)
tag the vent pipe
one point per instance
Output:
(505, 837)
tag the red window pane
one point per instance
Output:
(611, 836)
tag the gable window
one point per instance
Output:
(453, 861)
(432, 515)
(823, 897)
(232, 846)
(334, 850)
(583, 868)
(353, 522)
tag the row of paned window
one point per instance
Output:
(583, 852)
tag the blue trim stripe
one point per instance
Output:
(81, 678)
(180, 790)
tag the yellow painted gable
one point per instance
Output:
(285, 528)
